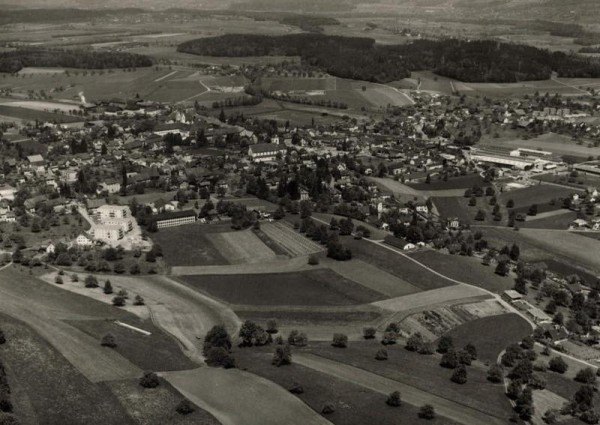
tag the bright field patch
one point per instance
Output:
(311, 288)
(289, 240)
(188, 246)
(241, 247)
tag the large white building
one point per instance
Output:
(108, 232)
(112, 211)
(176, 218)
(264, 152)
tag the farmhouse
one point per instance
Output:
(176, 218)
(263, 152)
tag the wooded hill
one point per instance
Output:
(14, 61)
(361, 59)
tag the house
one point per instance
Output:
(83, 241)
(453, 223)
(399, 243)
(7, 192)
(263, 152)
(112, 211)
(511, 295)
(304, 194)
(50, 248)
(174, 128)
(107, 232)
(176, 218)
(37, 162)
(111, 186)
(555, 333)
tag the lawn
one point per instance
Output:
(464, 269)
(458, 206)
(320, 287)
(50, 389)
(422, 372)
(189, 245)
(355, 404)
(395, 264)
(560, 221)
(491, 334)
(158, 351)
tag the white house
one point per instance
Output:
(83, 241)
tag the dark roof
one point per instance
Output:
(174, 214)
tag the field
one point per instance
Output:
(542, 245)
(289, 240)
(582, 181)
(464, 269)
(557, 219)
(491, 334)
(32, 115)
(39, 374)
(354, 403)
(540, 194)
(460, 182)
(394, 263)
(423, 373)
(552, 142)
(241, 247)
(311, 288)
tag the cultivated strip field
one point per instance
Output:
(290, 240)
(214, 389)
(241, 247)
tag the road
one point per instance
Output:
(412, 395)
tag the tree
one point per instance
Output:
(459, 375)
(449, 360)
(510, 203)
(216, 337)
(590, 417)
(340, 341)
(119, 268)
(522, 371)
(558, 365)
(108, 340)
(272, 326)
(586, 376)
(480, 216)
(149, 380)
(495, 374)
(394, 399)
(427, 411)
(502, 268)
(515, 252)
(369, 333)
(389, 338)
(2, 337)
(108, 289)
(185, 407)
(513, 391)
(297, 338)
(445, 344)
(58, 280)
(119, 301)
(381, 354)
(219, 357)
(533, 210)
(472, 350)
(91, 281)
(464, 357)
(282, 356)
(414, 342)
(328, 409)
(138, 300)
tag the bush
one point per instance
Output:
(445, 344)
(381, 354)
(328, 409)
(558, 365)
(91, 281)
(460, 375)
(74, 278)
(2, 338)
(340, 340)
(219, 357)
(389, 338)
(296, 388)
(138, 300)
(272, 326)
(108, 340)
(449, 360)
(298, 339)
(58, 280)
(495, 374)
(427, 411)
(537, 382)
(414, 342)
(586, 376)
(149, 380)
(216, 337)
(394, 399)
(108, 289)
(282, 356)
(313, 259)
(369, 333)
(185, 407)
(590, 417)
(119, 301)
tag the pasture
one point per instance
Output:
(241, 247)
(354, 403)
(319, 287)
(491, 334)
(539, 194)
(26, 114)
(464, 269)
(423, 373)
(460, 182)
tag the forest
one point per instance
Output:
(60, 15)
(14, 61)
(360, 58)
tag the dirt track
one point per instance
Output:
(450, 409)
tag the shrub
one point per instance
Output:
(537, 381)
(185, 407)
(296, 388)
(5, 405)
(414, 342)
(219, 357)
(394, 399)
(427, 411)
(340, 340)
(558, 365)
(472, 350)
(369, 333)
(216, 337)
(108, 289)
(91, 281)
(464, 357)
(298, 339)
(58, 280)
(149, 380)
(282, 356)
(123, 293)
(389, 338)
(460, 375)
(272, 326)
(2, 338)
(328, 409)
(590, 417)
(586, 376)
(495, 374)
(313, 259)
(119, 301)
(108, 340)
(74, 278)
(381, 354)
(138, 300)
(445, 344)
(449, 360)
